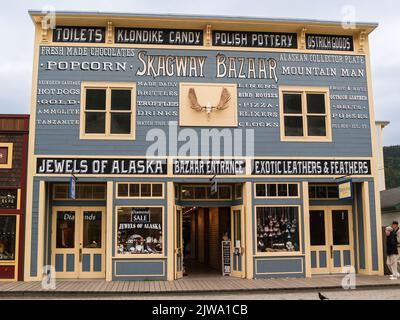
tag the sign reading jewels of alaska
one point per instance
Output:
(179, 79)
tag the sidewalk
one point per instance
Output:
(190, 285)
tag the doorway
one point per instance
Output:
(199, 234)
(78, 242)
(331, 239)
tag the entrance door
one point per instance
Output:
(178, 243)
(331, 239)
(78, 242)
(237, 242)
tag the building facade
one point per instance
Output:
(155, 138)
(14, 130)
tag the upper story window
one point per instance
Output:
(108, 111)
(6, 154)
(277, 190)
(323, 192)
(305, 114)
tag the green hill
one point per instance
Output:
(392, 166)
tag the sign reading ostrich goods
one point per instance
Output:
(311, 167)
(101, 166)
(328, 42)
(140, 215)
(159, 36)
(79, 34)
(255, 39)
(209, 167)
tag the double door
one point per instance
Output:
(331, 239)
(78, 242)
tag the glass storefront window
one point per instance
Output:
(139, 230)
(65, 229)
(8, 198)
(278, 229)
(8, 228)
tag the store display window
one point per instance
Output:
(8, 229)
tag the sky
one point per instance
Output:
(16, 55)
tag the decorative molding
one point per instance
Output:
(303, 39)
(109, 37)
(208, 40)
(361, 38)
(45, 28)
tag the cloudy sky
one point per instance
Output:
(16, 56)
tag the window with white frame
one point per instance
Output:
(108, 111)
(305, 115)
(277, 190)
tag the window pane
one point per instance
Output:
(122, 190)
(95, 99)
(200, 192)
(316, 126)
(99, 192)
(92, 229)
(224, 192)
(61, 191)
(315, 103)
(312, 190)
(95, 122)
(260, 190)
(8, 228)
(121, 123)
(277, 229)
(340, 226)
(134, 190)
(8, 198)
(293, 126)
(187, 193)
(293, 190)
(333, 192)
(282, 190)
(121, 100)
(65, 229)
(238, 191)
(292, 103)
(157, 190)
(271, 190)
(321, 192)
(317, 228)
(145, 190)
(139, 238)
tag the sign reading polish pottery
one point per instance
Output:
(329, 42)
(311, 167)
(254, 39)
(209, 167)
(101, 166)
(159, 36)
(79, 34)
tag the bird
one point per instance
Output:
(322, 297)
(222, 105)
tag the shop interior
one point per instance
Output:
(203, 230)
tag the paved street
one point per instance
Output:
(385, 293)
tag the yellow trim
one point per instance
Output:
(330, 268)
(19, 199)
(170, 230)
(367, 227)
(283, 253)
(241, 273)
(9, 163)
(306, 215)
(109, 236)
(31, 161)
(248, 207)
(42, 213)
(178, 274)
(140, 190)
(277, 197)
(13, 263)
(141, 275)
(108, 86)
(139, 256)
(304, 91)
(291, 258)
(78, 238)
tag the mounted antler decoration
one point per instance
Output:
(222, 105)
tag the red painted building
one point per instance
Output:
(14, 130)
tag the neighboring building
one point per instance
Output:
(390, 202)
(125, 111)
(380, 125)
(14, 130)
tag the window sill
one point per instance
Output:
(139, 256)
(279, 254)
